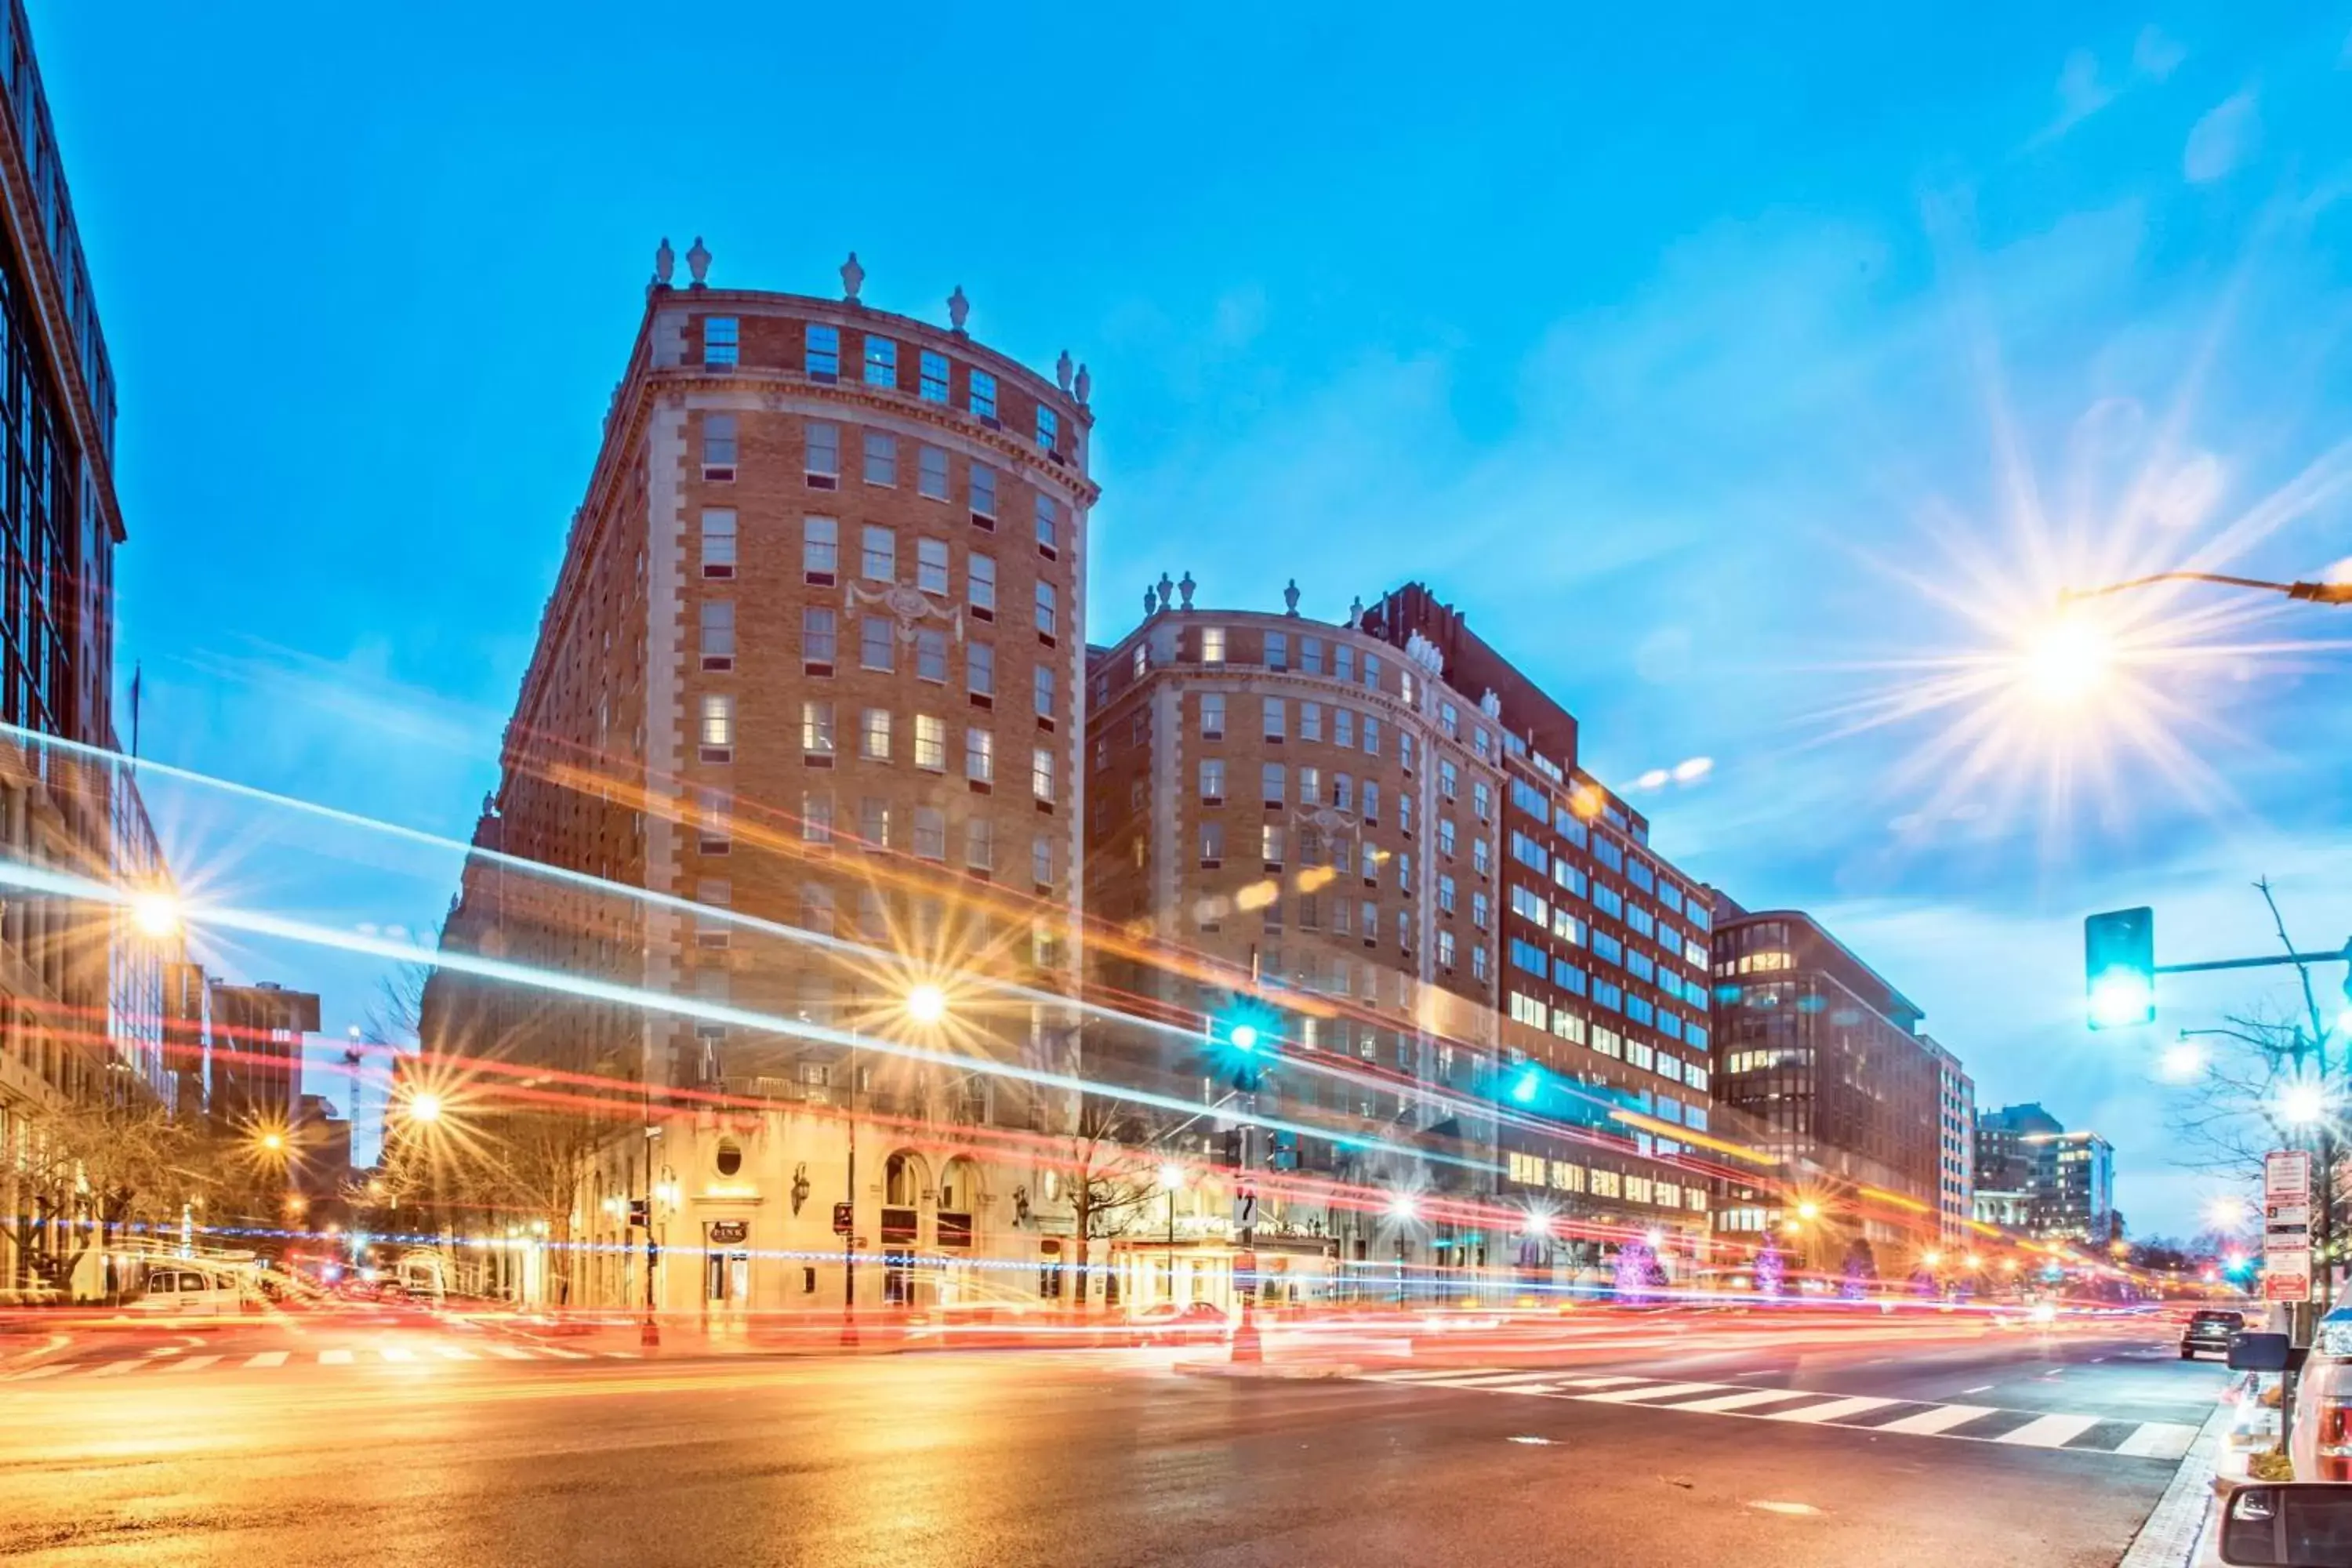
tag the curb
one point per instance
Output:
(1248, 1371)
(2169, 1539)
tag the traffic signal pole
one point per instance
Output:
(1246, 1345)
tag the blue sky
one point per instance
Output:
(1693, 356)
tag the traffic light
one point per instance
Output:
(2119, 968)
(1241, 1038)
(1526, 1083)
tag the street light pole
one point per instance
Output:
(849, 1238)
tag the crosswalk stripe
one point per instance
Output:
(334, 1358)
(1830, 1412)
(267, 1358)
(455, 1352)
(625, 1355)
(508, 1352)
(1430, 1373)
(118, 1369)
(568, 1356)
(1655, 1391)
(1739, 1401)
(2157, 1440)
(191, 1364)
(1942, 1418)
(395, 1352)
(1499, 1380)
(2049, 1431)
(1600, 1382)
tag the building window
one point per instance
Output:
(935, 377)
(713, 893)
(930, 832)
(979, 396)
(980, 756)
(712, 827)
(1445, 950)
(1445, 892)
(879, 562)
(719, 446)
(1480, 856)
(1212, 645)
(983, 495)
(1343, 726)
(1343, 662)
(1310, 655)
(821, 353)
(816, 815)
(1478, 907)
(1042, 691)
(1049, 428)
(881, 362)
(719, 340)
(1213, 844)
(822, 464)
(1311, 721)
(1277, 718)
(1277, 650)
(1049, 516)
(881, 459)
(1041, 774)
(876, 644)
(1047, 618)
(932, 472)
(930, 744)
(1482, 799)
(1040, 862)
(718, 541)
(1270, 787)
(816, 729)
(717, 626)
(1212, 716)
(932, 655)
(979, 670)
(1448, 779)
(1270, 845)
(1372, 670)
(1478, 961)
(873, 734)
(1213, 781)
(718, 730)
(931, 566)
(979, 845)
(1445, 836)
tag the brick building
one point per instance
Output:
(811, 675)
(1358, 824)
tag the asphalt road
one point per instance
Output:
(309, 1446)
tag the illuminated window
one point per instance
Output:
(930, 744)
(1041, 774)
(718, 726)
(816, 729)
(1212, 645)
(873, 734)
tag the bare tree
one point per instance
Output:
(1111, 1175)
(92, 1169)
(2229, 1118)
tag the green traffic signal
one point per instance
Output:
(2119, 968)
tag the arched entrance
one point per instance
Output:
(905, 1184)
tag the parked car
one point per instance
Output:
(2319, 1439)
(2208, 1331)
(1196, 1322)
(185, 1288)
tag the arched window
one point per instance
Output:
(902, 1181)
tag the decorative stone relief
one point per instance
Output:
(907, 604)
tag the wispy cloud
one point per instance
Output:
(2223, 140)
(2085, 86)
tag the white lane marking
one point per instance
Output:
(2049, 1431)
(1832, 1411)
(267, 1358)
(1797, 1507)
(1426, 1373)
(452, 1352)
(1656, 1391)
(625, 1355)
(1538, 1442)
(1500, 1380)
(1942, 1418)
(395, 1352)
(192, 1364)
(508, 1352)
(1980, 1388)
(1738, 1401)
(1598, 1382)
(334, 1358)
(117, 1368)
(2157, 1440)
(568, 1356)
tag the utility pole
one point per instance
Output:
(650, 1332)
(849, 1236)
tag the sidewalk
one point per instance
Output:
(2183, 1530)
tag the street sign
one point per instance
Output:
(2286, 1277)
(728, 1232)
(841, 1224)
(1244, 1211)
(2286, 1176)
(2297, 1214)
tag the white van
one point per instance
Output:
(188, 1288)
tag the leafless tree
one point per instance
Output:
(93, 1168)
(1110, 1175)
(2228, 1119)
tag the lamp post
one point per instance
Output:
(2309, 592)
(1172, 1176)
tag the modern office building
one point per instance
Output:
(1956, 1106)
(1828, 1060)
(2036, 1176)
(812, 675)
(79, 994)
(1377, 831)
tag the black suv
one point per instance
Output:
(2210, 1330)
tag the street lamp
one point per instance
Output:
(2303, 1104)
(156, 913)
(2310, 593)
(927, 1003)
(425, 1107)
(1172, 1177)
(2070, 660)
